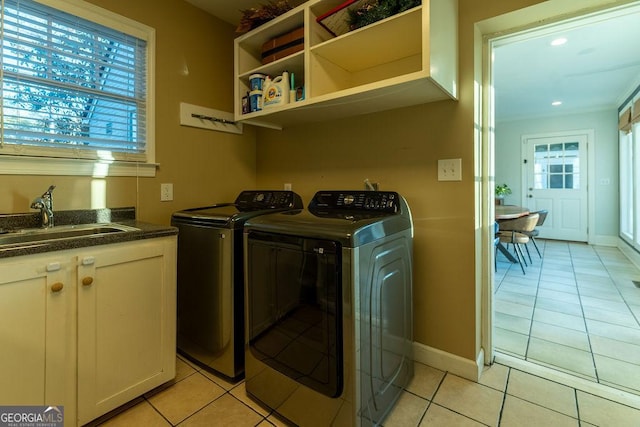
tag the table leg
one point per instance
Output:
(506, 253)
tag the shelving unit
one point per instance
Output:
(407, 59)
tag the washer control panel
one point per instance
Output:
(366, 201)
(253, 200)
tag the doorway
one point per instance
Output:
(541, 195)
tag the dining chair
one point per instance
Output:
(535, 232)
(512, 232)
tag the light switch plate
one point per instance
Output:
(450, 170)
(166, 192)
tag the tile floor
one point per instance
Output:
(504, 397)
(574, 314)
(576, 310)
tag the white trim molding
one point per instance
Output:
(629, 252)
(20, 165)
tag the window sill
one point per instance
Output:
(19, 165)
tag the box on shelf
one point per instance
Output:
(336, 20)
(283, 45)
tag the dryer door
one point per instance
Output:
(294, 308)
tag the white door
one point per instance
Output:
(555, 179)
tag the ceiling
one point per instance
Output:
(595, 69)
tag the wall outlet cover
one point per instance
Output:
(450, 170)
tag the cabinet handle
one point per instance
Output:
(57, 287)
(87, 281)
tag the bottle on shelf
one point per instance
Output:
(276, 91)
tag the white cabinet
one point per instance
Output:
(126, 323)
(407, 59)
(37, 357)
(94, 326)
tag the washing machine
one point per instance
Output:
(329, 324)
(210, 306)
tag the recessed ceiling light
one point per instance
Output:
(559, 41)
(556, 103)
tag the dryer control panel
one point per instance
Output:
(364, 201)
(257, 200)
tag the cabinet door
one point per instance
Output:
(126, 323)
(36, 335)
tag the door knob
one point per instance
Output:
(57, 287)
(87, 281)
(530, 196)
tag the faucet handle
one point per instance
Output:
(49, 191)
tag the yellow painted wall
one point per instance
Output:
(194, 64)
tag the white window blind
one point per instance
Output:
(70, 87)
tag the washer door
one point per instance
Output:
(294, 308)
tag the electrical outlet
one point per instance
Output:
(166, 192)
(287, 186)
(450, 170)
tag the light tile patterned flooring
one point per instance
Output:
(576, 310)
(504, 397)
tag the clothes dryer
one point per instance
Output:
(329, 308)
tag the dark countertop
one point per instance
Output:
(124, 216)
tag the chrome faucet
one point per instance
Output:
(45, 204)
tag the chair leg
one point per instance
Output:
(535, 245)
(519, 257)
(528, 253)
(519, 248)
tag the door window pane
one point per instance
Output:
(557, 166)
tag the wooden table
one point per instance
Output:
(509, 212)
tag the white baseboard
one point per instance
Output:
(603, 240)
(629, 252)
(465, 368)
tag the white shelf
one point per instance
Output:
(407, 59)
(371, 46)
(292, 63)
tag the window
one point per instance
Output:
(557, 166)
(75, 85)
(626, 185)
(629, 151)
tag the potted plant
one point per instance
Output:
(256, 16)
(501, 191)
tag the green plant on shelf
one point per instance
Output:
(502, 190)
(256, 16)
(370, 11)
